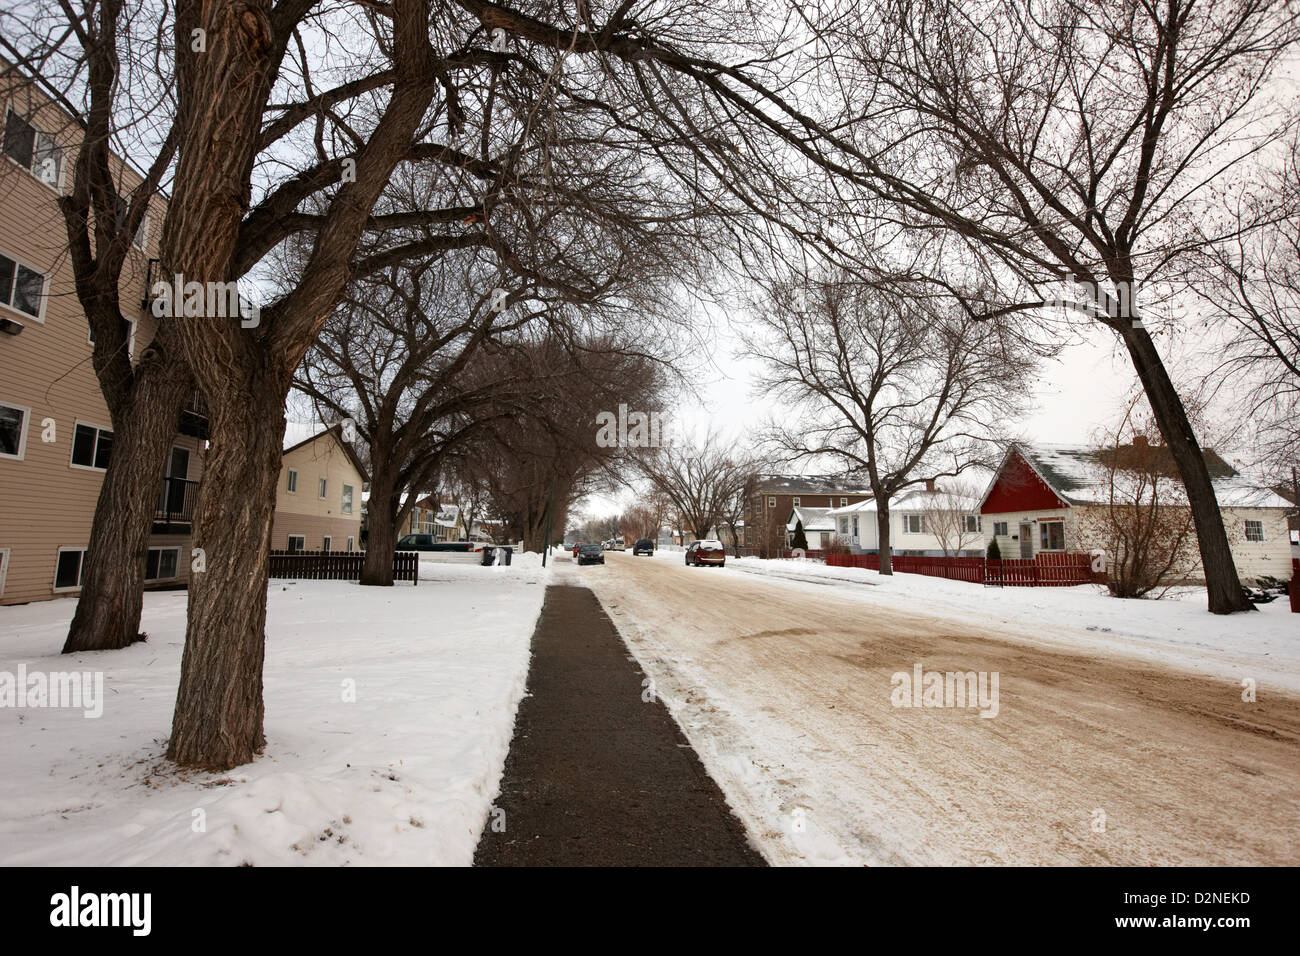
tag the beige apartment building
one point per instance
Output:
(318, 500)
(56, 435)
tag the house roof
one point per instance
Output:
(1077, 473)
(812, 485)
(814, 519)
(297, 434)
(912, 498)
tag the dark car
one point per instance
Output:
(708, 551)
(643, 546)
(427, 542)
(590, 554)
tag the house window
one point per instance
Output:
(161, 564)
(22, 288)
(844, 526)
(352, 544)
(855, 526)
(914, 524)
(33, 150)
(1051, 536)
(347, 499)
(320, 493)
(297, 542)
(92, 446)
(971, 523)
(13, 430)
(999, 529)
(67, 574)
(1254, 530)
(771, 502)
(325, 543)
(843, 502)
(293, 481)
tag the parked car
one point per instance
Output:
(427, 542)
(643, 546)
(590, 554)
(708, 551)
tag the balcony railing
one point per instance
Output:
(175, 508)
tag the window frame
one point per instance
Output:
(45, 286)
(907, 523)
(130, 339)
(1259, 523)
(1045, 537)
(291, 481)
(99, 429)
(288, 538)
(57, 186)
(771, 501)
(176, 570)
(322, 488)
(794, 502)
(81, 569)
(22, 432)
(352, 544)
(326, 541)
(346, 498)
(1005, 526)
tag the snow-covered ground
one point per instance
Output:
(405, 773)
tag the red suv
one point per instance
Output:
(708, 551)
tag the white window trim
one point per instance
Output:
(57, 188)
(22, 435)
(45, 289)
(326, 541)
(1246, 529)
(291, 482)
(72, 450)
(81, 569)
(345, 505)
(794, 503)
(920, 523)
(1042, 527)
(178, 565)
(5, 555)
(771, 502)
(288, 539)
(352, 544)
(322, 488)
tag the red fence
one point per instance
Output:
(1061, 569)
(338, 565)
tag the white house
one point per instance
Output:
(922, 522)
(817, 527)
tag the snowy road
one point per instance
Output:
(784, 689)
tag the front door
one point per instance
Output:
(1026, 540)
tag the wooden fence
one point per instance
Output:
(338, 565)
(1057, 569)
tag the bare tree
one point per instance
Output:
(950, 516)
(889, 385)
(699, 476)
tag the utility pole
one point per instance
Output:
(550, 500)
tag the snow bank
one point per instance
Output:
(389, 712)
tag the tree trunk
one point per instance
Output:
(882, 536)
(218, 719)
(112, 578)
(377, 568)
(1221, 581)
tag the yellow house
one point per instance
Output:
(318, 500)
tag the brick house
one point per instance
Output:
(773, 498)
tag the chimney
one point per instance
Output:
(929, 484)
(1140, 441)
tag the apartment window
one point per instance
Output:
(293, 481)
(771, 502)
(914, 524)
(321, 489)
(67, 574)
(33, 150)
(161, 564)
(347, 499)
(92, 446)
(297, 542)
(142, 231)
(130, 338)
(325, 543)
(352, 543)
(13, 430)
(1051, 535)
(844, 502)
(1254, 530)
(22, 288)
(796, 502)
(999, 529)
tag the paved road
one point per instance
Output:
(784, 689)
(596, 775)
